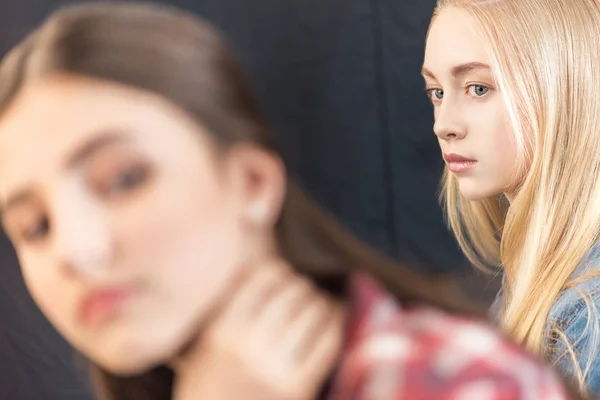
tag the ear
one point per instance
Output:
(260, 180)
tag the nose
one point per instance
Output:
(449, 124)
(82, 239)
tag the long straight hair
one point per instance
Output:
(182, 59)
(546, 59)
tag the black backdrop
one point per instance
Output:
(339, 81)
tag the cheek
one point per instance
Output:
(186, 243)
(508, 153)
(195, 244)
(442, 143)
(54, 296)
(496, 139)
(505, 147)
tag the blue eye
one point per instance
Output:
(435, 95)
(478, 90)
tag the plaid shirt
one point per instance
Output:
(396, 353)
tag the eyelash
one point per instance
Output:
(36, 231)
(120, 184)
(125, 181)
(481, 86)
(429, 92)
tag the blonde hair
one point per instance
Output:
(547, 65)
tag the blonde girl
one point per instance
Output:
(515, 87)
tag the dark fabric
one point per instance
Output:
(415, 161)
(339, 81)
(35, 363)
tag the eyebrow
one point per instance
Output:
(101, 140)
(459, 71)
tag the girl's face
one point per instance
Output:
(471, 120)
(128, 224)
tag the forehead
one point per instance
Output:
(43, 121)
(52, 113)
(453, 40)
(58, 111)
(50, 118)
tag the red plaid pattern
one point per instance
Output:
(396, 353)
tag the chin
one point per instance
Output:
(125, 367)
(474, 196)
(134, 354)
(134, 361)
(474, 191)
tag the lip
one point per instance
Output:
(457, 163)
(102, 304)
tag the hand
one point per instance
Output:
(277, 339)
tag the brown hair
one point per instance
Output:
(181, 58)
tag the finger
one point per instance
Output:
(304, 330)
(325, 350)
(279, 312)
(246, 303)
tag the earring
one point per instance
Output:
(258, 212)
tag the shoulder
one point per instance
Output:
(574, 336)
(427, 354)
(575, 302)
(583, 293)
(574, 324)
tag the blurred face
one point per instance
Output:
(127, 227)
(471, 121)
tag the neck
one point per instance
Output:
(509, 196)
(196, 352)
(263, 254)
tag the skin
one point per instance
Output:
(471, 119)
(107, 187)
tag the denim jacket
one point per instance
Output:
(570, 313)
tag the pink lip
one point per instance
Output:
(457, 163)
(102, 304)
